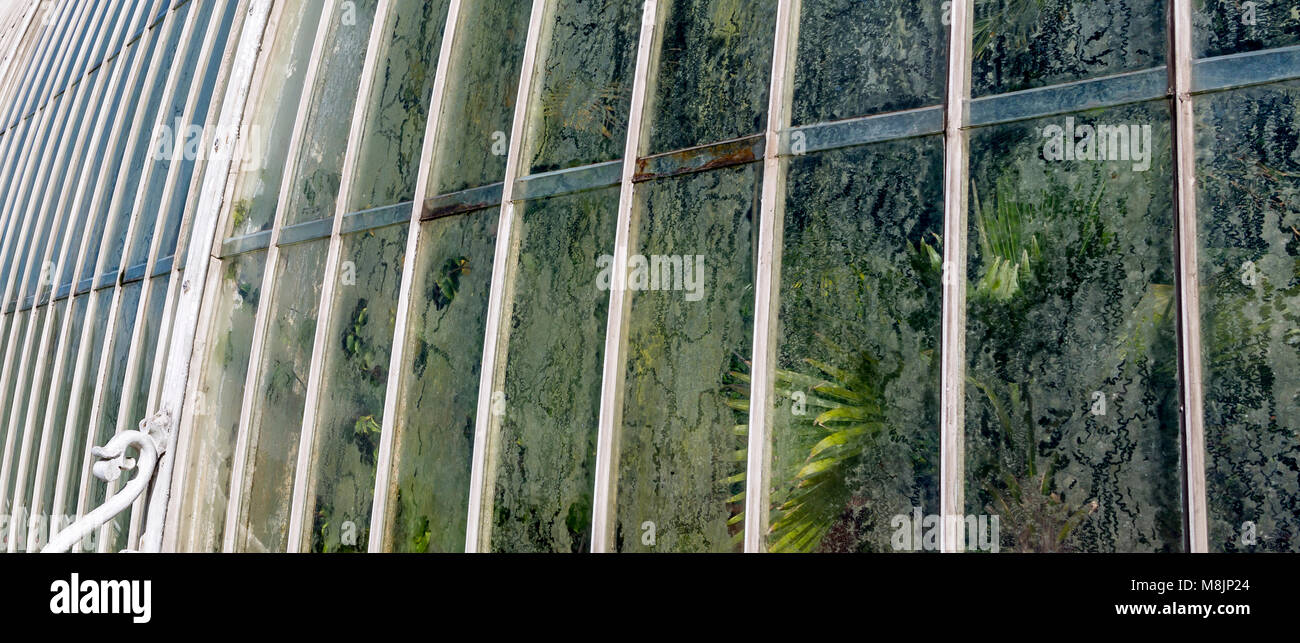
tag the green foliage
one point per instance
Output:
(1037, 519)
(446, 283)
(1016, 21)
(239, 214)
(849, 420)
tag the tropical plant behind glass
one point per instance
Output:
(1016, 235)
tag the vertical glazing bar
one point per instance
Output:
(39, 208)
(125, 420)
(1196, 520)
(22, 207)
(104, 78)
(612, 370)
(333, 259)
(138, 131)
(10, 73)
(488, 374)
(212, 180)
(14, 139)
(262, 320)
(397, 356)
(217, 178)
(87, 199)
(766, 282)
(952, 429)
(148, 63)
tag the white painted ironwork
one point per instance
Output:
(1188, 282)
(952, 429)
(493, 366)
(113, 463)
(767, 278)
(611, 392)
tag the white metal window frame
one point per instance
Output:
(169, 380)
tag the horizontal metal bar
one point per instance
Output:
(163, 266)
(309, 231)
(376, 217)
(1241, 70)
(134, 273)
(748, 149)
(859, 131)
(1108, 91)
(445, 205)
(246, 243)
(106, 280)
(568, 180)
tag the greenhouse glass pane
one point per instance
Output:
(160, 155)
(275, 423)
(689, 327)
(354, 381)
(137, 157)
(35, 415)
(581, 109)
(319, 169)
(14, 395)
(273, 111)
(110, 160)
(857, 58)
(1235, 26)
(111, 400)
(1072, 426)
(60, 430)
(554, 357)
(393, 137)
(1249, 187)
(715, 60)
(428, 494)
(1021, 44)
(482, 82)
(84, 390)
(858, 348)
(217, 404)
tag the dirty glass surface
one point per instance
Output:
(1234, 26)
(44, 443)
(1248, 169)
(1021, 44)
(319, 168)
(275, 424)
(136, 157)
(273, 110)
(1072, 431)
(162, 149)
(16, 397)
(216, 407)
(354, 381)
(856, 58)
(428, 494)
(584, 92)
(554, 359)
(478, 109)
(689, 328)
(84, 389)
(398, 106)
(57, 409)
(714, 63)
(856, 406)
